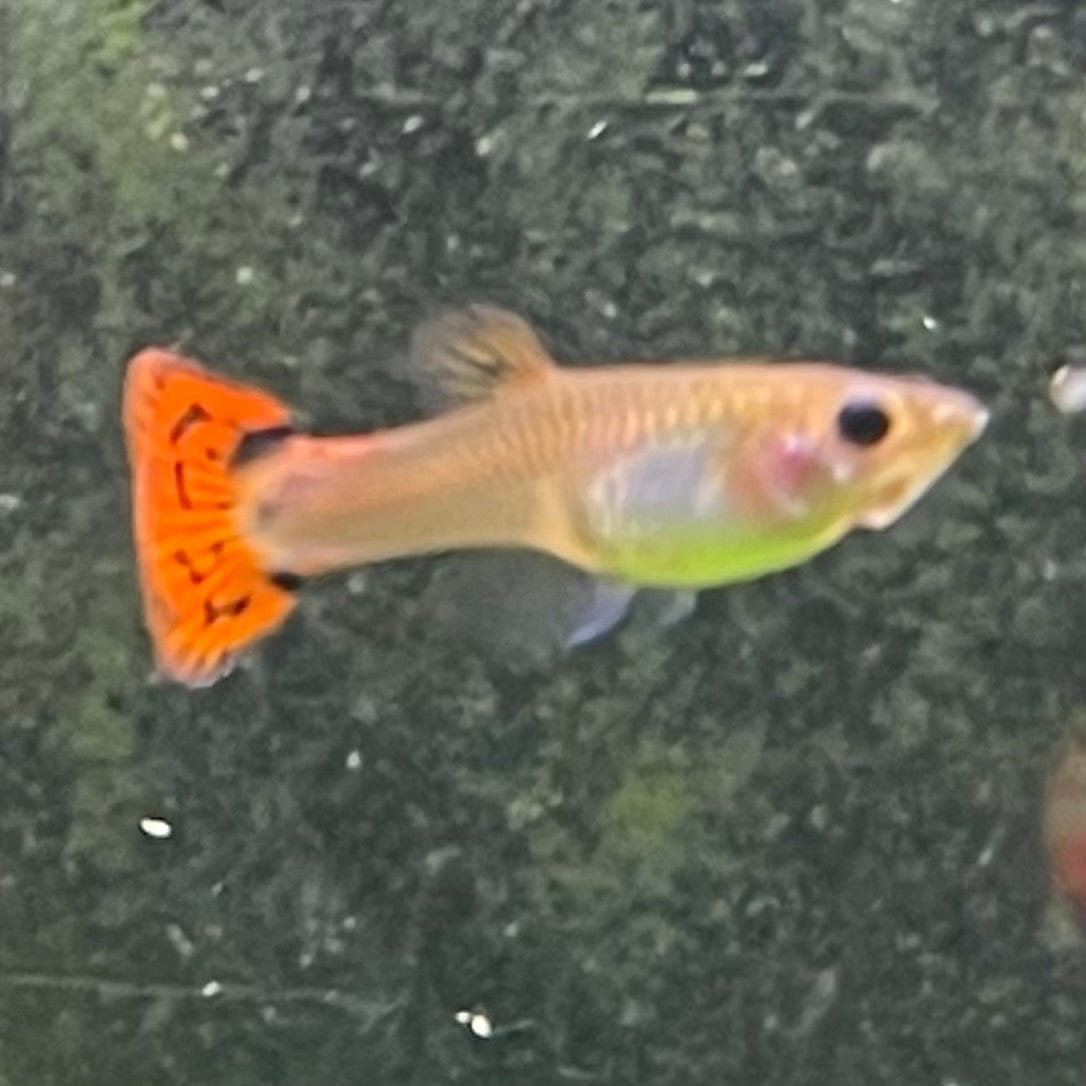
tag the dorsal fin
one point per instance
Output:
(475, 352)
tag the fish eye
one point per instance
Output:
(863, 423)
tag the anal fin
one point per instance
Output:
(523, 608)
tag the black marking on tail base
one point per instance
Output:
(288, 582)
(257, 443)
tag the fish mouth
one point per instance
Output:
(962, 418)
(961, 422)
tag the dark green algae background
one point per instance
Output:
(793, 840)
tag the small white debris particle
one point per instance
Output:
(354, 760)
(1066, 390)
(412, 124)
(253, 75)
(9, 503)
(484, 145)
(210, 92)
(302, 95)
(929, 322)
(7, 280)
(157, 828)
(480, 1025)
(212, 988)
(476, 1021)
(244, 275)
(597, 130)
(179, 141)
(180, 941)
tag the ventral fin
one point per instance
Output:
(473, 353)
(522, 609)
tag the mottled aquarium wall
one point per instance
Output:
(795, 839)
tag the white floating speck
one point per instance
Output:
(477, 1022)
(179, 142)
(253, 75)
(929, 322)
(1067, 389)
(244, 275)
(7, 280)
(157, 828)
(484, 145)
(180, 941)
(9, 503)
(303, 94)
(212, 988)
(412, 124)
(354, 760)
(210, 92)
(597, 130)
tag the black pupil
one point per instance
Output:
(863, 423)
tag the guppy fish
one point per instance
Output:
(682, 475)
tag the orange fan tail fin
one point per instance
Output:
(206, 594)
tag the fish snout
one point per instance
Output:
(958, 414)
